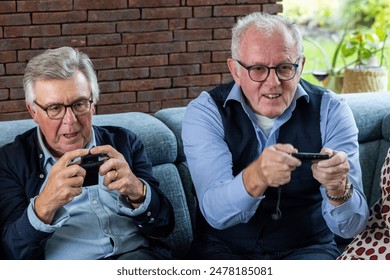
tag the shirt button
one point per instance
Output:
(94, 202)
(149, 214)
(40, 155)
(105, 230)
(41, 176)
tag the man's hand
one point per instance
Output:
(117, 173)
(63, 184)
(271, 169)
(332, 173)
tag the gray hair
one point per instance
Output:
(61, 64)
(268, 24)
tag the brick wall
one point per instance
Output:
(148, 54)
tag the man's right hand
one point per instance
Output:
(63, 184)
(271, 169)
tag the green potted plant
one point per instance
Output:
(366, 72)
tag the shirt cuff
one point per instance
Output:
(127, 208)
(60, 218)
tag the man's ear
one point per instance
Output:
(303, 64)
(232, 64)
(32, 112)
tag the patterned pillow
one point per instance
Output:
(373, 243)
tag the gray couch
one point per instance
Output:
(161, 135)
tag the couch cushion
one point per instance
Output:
(173, 118)
(369, 110)
(10, 129)
(170, 184)
(159, 141)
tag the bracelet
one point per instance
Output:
(346, 195)
(140, 199)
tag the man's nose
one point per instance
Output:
(69, 116)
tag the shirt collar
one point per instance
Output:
(49, 158)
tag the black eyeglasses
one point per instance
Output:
(58, 111)
(260, 73)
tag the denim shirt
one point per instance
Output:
(94, 225)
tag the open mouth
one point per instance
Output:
(272, 96)
(70, 135)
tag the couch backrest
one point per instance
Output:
(371, 112)
(161, 147)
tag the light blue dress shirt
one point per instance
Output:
(96, 224)
(223, 199)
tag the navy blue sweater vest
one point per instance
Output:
(301, 223)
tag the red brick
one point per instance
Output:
(14, 44)
(16, 93)
(238, 10)
(59, 17)
(7, 56)
(15, 68)
(212, 45)
(11, 82)
(183, 12)
(121, 108)
(32, 31)
(146, 49)
(106, 39)
(12, 106)
(104, 63)
(14, 19)
(109, 86)
(142, 61)
(222, 33)
(142, 25)
(123, 74)
(88, 28)
(7, 7)
(189, 58)
(220, 56)
(4, 94)
(114, 15)
(209, 68)
(175, 103)
(177, 24)
(209, 2)
(196, 80)
(44, 5)
(165, 94)
(174, 71)
(272, 8)
(105, 51)
(153, 3)
(203, 11)
(56, 42)
(192, 35)
(207, 23)
(15, 116)
(147, 37)
(145, 84)
(117, 98)
(99, 4)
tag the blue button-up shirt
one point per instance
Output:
(96, 224)
(223, 199)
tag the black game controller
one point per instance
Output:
(311, 156)
(91, 164)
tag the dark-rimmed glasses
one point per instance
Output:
(260, 73)
(58, 111)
